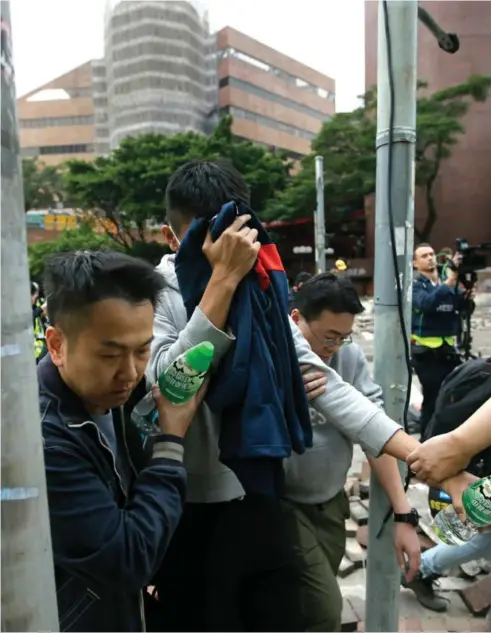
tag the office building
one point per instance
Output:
(160, 69)
(163, 72)
(56, 121)
(463, 187)
(274, 100)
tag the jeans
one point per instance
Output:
(442, 557)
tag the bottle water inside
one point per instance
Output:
(450, 530)
(145, 415)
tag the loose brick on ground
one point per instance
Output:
(349, 486)
(346, 568)
(452, 583)
(351, 528)
(354, 551)
(477, 597)
(359, 513)
(471, 569)
(465, 625)
(364, 489)
(365, 471)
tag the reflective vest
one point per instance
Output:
(39, 337)
(433, 342)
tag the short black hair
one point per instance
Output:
(75, 281)
(200, 189)
(301, 278)
(327, 291)
(420, 245)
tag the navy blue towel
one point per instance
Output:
(258, 388)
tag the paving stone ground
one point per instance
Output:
(413, 616)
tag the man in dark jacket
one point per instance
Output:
(435, 324)
(113, 505)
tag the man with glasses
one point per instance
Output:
(324, 310)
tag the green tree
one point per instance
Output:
(43, 184)
(128, 186)
(82, 238)
(347, 143)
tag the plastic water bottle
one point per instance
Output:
(476, 500)
(178, 383)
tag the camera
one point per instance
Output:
(473, 257)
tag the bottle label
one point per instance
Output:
(477, 502)
(180, 381)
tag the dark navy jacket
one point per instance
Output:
(435, 309)
(107, 545)
(258, 388)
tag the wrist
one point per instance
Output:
(223, 280)
(461, 444)
(401, 506)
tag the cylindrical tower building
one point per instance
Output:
(160, 68)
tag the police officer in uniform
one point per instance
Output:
(435, 324)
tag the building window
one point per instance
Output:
(262, 120)
(225, 53)
(56, 121)
(271, 96)
(65, 149)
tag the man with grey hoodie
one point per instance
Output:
(324, 310)
(233, 564)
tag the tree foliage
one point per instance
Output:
(43, 185)
(82, 238)
(128, 186)
(347, 143)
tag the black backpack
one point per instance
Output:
(461, 394)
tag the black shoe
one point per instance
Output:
(425, 592)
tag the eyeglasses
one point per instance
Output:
(327, 343)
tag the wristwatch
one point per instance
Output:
(411, 517)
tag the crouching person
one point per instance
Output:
(114, 504)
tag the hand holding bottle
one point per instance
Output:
(175, 420)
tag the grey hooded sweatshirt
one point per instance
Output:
(209, 481)
(320, 473)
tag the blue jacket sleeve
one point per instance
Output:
(95, 538)
(426, 299)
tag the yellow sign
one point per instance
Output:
(60, 222)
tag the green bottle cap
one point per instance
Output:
(200, 357)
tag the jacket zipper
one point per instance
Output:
(126, 444)
(130, 461)
(104, 445)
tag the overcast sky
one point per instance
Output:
(50, 37)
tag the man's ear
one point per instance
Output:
(295, 315)
(56, 343)
(170, 238)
